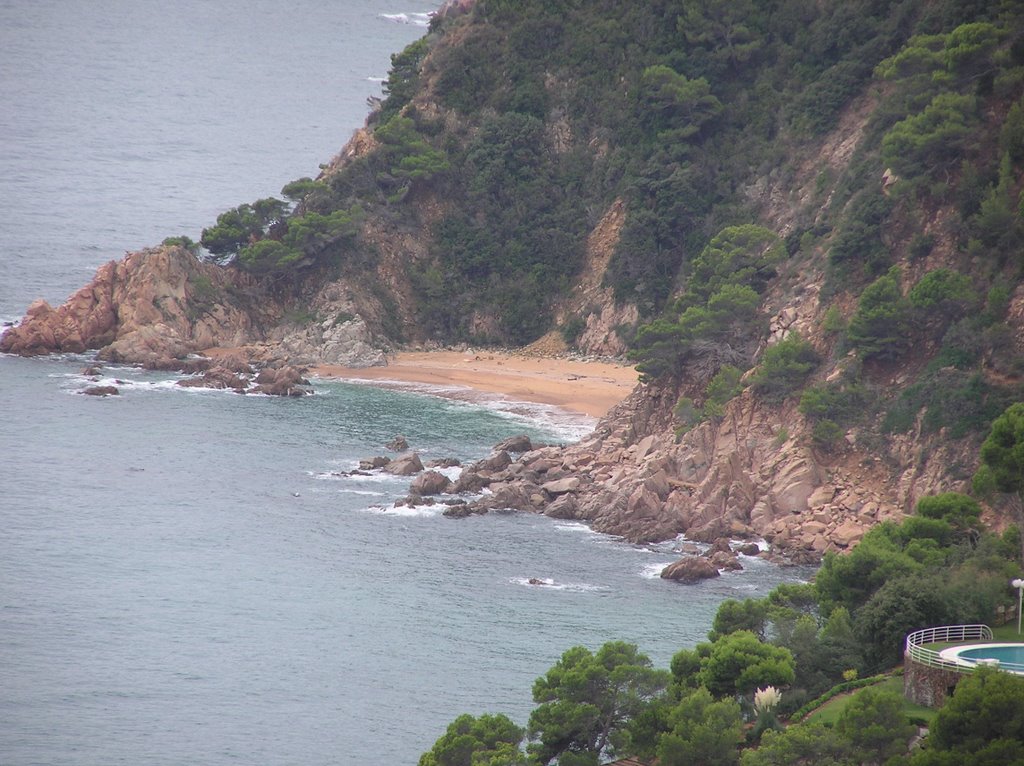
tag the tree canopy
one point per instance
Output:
(587, 699)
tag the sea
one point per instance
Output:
(192, 577)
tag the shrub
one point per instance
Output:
(836, 402)
(880, 328)
(784, 367)
(723, 387)
(932, 141)
(859, 240)
(826, 434)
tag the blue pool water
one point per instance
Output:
(1009, 656)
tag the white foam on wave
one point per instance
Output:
(416, 511)
(452, 473)
(564, 425)
(416, 19)
(575, 526)
(653, 571)
(547, 583)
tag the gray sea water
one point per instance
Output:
(185, 576)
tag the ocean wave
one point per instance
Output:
(563, 425)
(413, 18)
(404, 510)
(575, 526)
(653, 571)
(547, 583)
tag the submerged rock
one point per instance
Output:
(101, 391)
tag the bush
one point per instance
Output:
(784, 367)
(859, 241)
(837, 402)
(826, 434)
(880, 328)
(723, 387)
(930, 143)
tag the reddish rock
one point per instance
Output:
(725, 560)
(218, 378)
(497, 462)
(141, 309)
(284, 381)
(564, 507)
(519, 443)
(406, 464)
(690, 570)
(430, 483)
(561, 486)
(398, 444)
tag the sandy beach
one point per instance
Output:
(591, 388)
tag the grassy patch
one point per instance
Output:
(1007, 633)
(829, 712)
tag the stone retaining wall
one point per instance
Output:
(927, 685)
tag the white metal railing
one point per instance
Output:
(946, 633)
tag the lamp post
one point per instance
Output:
(1019, 585)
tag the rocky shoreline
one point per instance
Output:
(157, 306)
(745, 475)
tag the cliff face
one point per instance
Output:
(154, 304)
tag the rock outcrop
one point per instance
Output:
(284, 381)
(689, 570)
(160, 303)
(740, 477)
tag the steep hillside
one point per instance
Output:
(801, 219)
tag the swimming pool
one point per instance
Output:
(1008, 657)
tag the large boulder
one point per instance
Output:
(519, 443)
(430, 483)
(690, 570)
(561, 486)
(101, 391)
(217, 377)
(283, 381)
(406, 464)
(496, 462)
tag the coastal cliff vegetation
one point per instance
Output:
(803, 221)
(511, 129)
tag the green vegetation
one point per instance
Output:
(586, 701)
(784, 367)
(470, 741)
(880, 328)
(720, 704)
(982, 723)
(829, 707)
